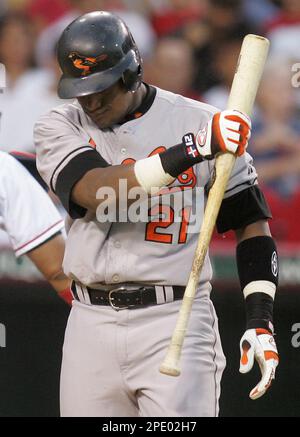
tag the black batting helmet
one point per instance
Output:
(94, 52)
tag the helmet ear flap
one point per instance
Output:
(132, 79)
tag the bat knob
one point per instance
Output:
(167, 369)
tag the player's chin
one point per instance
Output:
(104, 122)
(102, 125)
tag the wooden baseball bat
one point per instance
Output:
(245, 84)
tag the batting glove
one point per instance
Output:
(259, 344)
(227, 131)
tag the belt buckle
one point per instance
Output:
(111, 298)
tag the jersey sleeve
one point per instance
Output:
(29, 216)
(243, 176)
(244, 202)
(64, 155)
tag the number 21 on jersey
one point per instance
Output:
(162, 217)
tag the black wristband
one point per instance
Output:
(257, 260)
(181, 157)
(259, 311)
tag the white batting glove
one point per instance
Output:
(227, 131)
(259, 344)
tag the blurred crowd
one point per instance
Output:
(189, 47)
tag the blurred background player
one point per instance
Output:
(162, 69)
(32, 223)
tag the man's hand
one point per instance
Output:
(259, 344)
(228, 131)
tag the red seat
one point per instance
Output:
(286, 216)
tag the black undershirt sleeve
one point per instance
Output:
(242, 209)
(71, 174)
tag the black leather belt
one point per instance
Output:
(121, 298)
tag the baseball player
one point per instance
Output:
(129, 275)
(32, 223)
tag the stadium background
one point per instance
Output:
(189, 47)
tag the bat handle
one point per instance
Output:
(170, 365)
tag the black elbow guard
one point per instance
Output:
(257, 263)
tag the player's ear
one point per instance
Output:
(121, 86)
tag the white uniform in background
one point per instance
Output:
(27, 214)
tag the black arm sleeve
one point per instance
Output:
(71, 174)
(242, 209)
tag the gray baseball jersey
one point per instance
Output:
(159, 252)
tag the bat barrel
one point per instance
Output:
(254, 52)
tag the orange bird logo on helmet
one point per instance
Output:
(86, 64)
